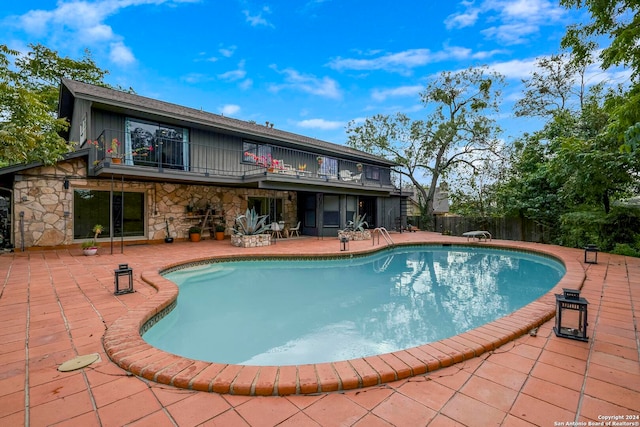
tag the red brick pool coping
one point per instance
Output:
(123, 343)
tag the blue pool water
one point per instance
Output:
(289, 312)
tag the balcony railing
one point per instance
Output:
(224, 160)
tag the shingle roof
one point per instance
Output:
(134, 102)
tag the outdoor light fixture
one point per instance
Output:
(344, 243)
(591, 254)
(571, 315)
(123, 271)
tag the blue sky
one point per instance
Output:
(310, 66)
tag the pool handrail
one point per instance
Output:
(381, 231)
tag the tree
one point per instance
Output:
(29, 129)
(554, 86)
(457, 133)
(612, 20)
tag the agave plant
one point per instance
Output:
(251, 223)
(357, 223)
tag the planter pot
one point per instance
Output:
(116, 160)
(90, 251)
(194, 237)
(219, 235)
(251, 241)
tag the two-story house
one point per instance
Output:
(145, 169)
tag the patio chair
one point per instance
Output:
(295, 229)
(347, 175)
(276, 230)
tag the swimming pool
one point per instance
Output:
(291, 312)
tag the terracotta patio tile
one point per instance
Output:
(558, 376)
(512, 360)
(266, 411)
(370, 397)
(632, 367)
(429, 393)
(563, 361)
(129, 409)
(56, 389)
(156, 419)
(538, 412)
(10, 403)
(613, 394)
(108, 393)
(371, 420)
(400, 410)
(511, 378)
(592, 408)
(299, 420)
(226, 419)
(490, 393)
(197, 408)
(88, 419)
(168, 395)
(334, 410)
(469, 411)
(552, 393)
(58, 410)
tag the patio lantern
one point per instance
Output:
(591, 254)
(344, 243)
(123, 277)
(571, 315)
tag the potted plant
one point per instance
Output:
(90, 247)
(220, 231)
(359, 167)
(320, 159)
(194, 233)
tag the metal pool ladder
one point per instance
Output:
(385, 234)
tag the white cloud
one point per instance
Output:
(325, 86)
(516, 68)
(70, 19)
(511, 21)
(233, 75)
(227, 52)
(258, 20)
(121, 54)
(402, 91)
(403, 62)
(320, 124)
(229, 109)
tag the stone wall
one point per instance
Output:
(47, 207)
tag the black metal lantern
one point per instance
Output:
(591, 254)
(121, 274)
(571, 315)
(344, 243)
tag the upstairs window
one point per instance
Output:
(256, 154)
(372, 173)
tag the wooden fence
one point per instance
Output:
(500, 228)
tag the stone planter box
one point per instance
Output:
(251, 241)
(355, 235)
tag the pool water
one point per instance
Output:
(290, 312)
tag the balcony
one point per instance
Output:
(267, 166)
